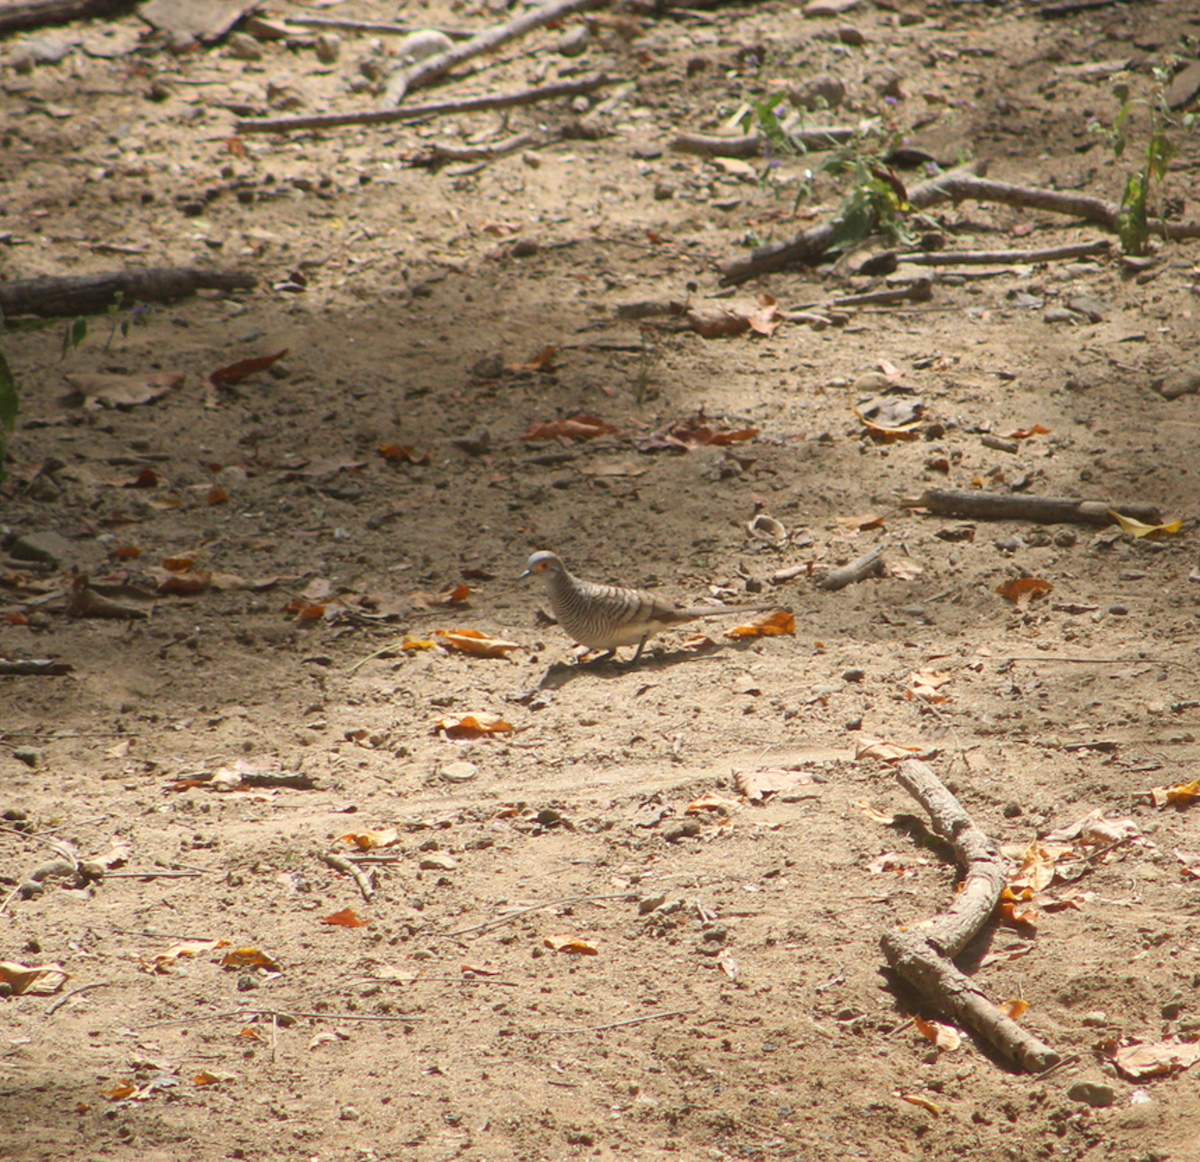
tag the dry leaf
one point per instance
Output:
(713, 803)
(1149, 532)
(572, 945)
(1025, 433)
(1156, 1059)
(757, 785)
(29, 980)
(775, 624)
(189, 948)
(1020, 587)
(121, 391)
(1180, 795)
(346, 918)
(236, 372)
(579, 427)
(406, 452)
(1015, 1008)
(943, 1036)
(925, 685)
(471, 641)
(877, 748)
(473, 726)
(207, 1077)
(249, 958)
(917, 1100)
(369, 840)
(542, 361)
(728, 964)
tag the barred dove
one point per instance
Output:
(606, 617)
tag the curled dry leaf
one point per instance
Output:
(777, 624)
(758, 785)
(1149, 532)
(542, 361)
(236, 372)
(473, 726)
(917, 1100)
(581, 427)
(1025, 433)
(891, 418)
(250, 958)
(346, 918)
(888, 752)
(369, 840)
(182, 584)
(571, 945)
(1019, 587)
(164, 960)
(1180, 795)
(471, 641)
(404, 452)
(1014, 1008)
(30, 980)
(713, 803)
(943, 1036)
(926, 685)
(207, 1077)
(1156, 1059)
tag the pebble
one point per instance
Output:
(328, 48)
(1118, 610)
(1186, 381)
(438, 861)
(574, 43)
(52, 548)
(28, 755)
(461, 772)
(1092, 1093)
(243, 47)
(823, 92)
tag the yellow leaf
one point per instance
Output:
(1150, 532)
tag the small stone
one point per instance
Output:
(461, 772)
(574, 43)
(1059, 315)
(422, 45)
(328, 48)
(247, 982)
(51, 548)
(243, 47)
(854, 674)
(823, 92)
(852, 36)
(1118, 610)
(348, 1114)
(1066, 538)
(28, 755)
(438, 861)
(663, 191)
(1095, 1018)
(1183, 382)
(1012, 810)
(1092, 1093)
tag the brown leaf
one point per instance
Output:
(1020, 587)
(542, 361)
(571, 945)
(473, 726)
(369, 840)
(23, 979)
(1180, 795)
(1156, 1059)
(236, 372)
(1025, 433)
(757, 785)
(189, 948)
(406, 452)
(182, 584)
(121, 391)
(717, 322)
(346, 918)
(250, 958)
(471, 641)
(580, 427)
(777, 624)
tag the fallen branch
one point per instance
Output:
(576, 88)
(405, 80)
(923, 954)
(34, 667)
(953, 186)
(1041, 509)
(89, 294)
(438, 155)
(365, 880)
(918, 291)
(988, 257)
(812, 244)
(36, 13)
(757, 144)
(868, 565)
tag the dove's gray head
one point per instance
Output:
(544, 564)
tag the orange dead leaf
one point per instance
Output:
(717, 322)
(1025, 433)
(868, 520)
(471, 641)
(16, 619)
(407, 452)
(917, 1100)
(581, 427)
(413, 644)
(1020, 587)
(236, 372)
(206, 1077)
(369, 840)
(877, 748)
(251, 1033)
(925, 685)
(250, 958)
(1015, 1008)
(189, 948)
(766, 318)
(1180, 795)
(473, 726)
(777, 624)
(180, 562)
(120, 1091)
(127, 552)
(571, 945)
(943, 1036)
(346, 918)
(182, 584)
(542, 361)
(217, 495)
(146, 478)
(713, 803)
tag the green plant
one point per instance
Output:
(76, 331)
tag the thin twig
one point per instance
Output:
(363, 879)
(152, 875)
(560, 89)
(617, 1024)
(502, 920)
(83, 988)
(277, 1014)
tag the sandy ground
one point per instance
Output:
(583, 940)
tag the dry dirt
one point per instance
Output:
(737, 1004)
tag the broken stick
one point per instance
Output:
(756, 144)
(405, 80)
(554, 92)
(868, 565)
(1047, 510)
(89, 294)
(923, 954)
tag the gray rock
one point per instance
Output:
(1185, 381)
(52, 548)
